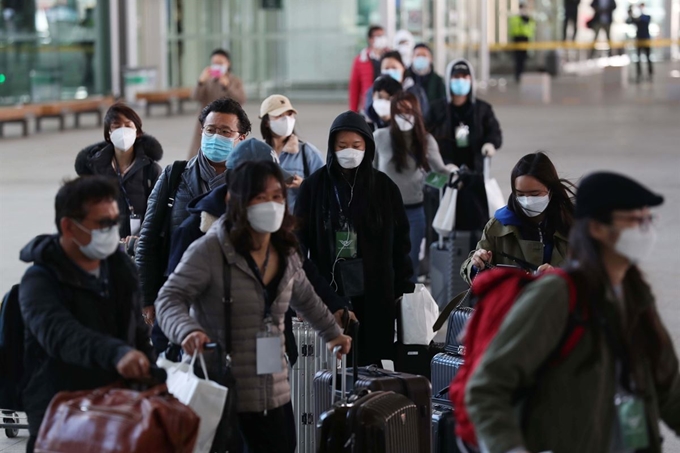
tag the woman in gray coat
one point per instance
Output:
(256, 240)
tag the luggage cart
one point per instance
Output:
(12, 422)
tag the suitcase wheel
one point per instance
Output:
(11, 433)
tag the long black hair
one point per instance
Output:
(560, 210)
(406, 103)
(246, 182)
(643, 336)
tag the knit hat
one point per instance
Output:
(603, 192)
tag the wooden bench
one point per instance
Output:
(165, 97)
(59, 109)
(18, 114)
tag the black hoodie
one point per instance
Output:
(138, 181)
(77, 326)
(377, 215)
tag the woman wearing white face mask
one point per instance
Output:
(354, 225)
(392, 66)
(406, 153)
(131, 157)
(532, 230)
(298, 158)
(255, 240)
(620, 378)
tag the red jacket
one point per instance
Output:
(360, 80)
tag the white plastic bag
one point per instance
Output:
(419, 312)
(445, 218)
(494, 195)
(205, 397)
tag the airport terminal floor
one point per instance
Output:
(636, 132)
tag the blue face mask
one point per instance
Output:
(421, 63)
(394, 73)
(461, 87)
(216, 148)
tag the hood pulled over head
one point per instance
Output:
(449, 72)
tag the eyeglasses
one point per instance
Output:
(223, 131)
(104, 224)
(643, 221)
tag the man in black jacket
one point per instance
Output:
(353, 222)
(224, 124)
(80, 302)
(467, 131)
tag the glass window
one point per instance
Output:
(52, 49)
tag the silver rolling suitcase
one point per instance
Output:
(313, 356)
(446, 258)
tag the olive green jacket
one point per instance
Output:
(565, 407)
(506, 238)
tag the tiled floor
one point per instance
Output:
(636, 132)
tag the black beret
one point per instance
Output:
(603, 192)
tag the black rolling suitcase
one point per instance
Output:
(445, 366)
(374, 379)
(368, 421)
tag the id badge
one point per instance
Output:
(632, 421)
(135, 224)
(462, 136)
(268, 349)
(346, 244)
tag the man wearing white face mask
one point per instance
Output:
(620, 378)
(366, 67)
(80, 301)
(130, 157)
(531, 231)
(298, 158)
(406, 153)
(353, 222)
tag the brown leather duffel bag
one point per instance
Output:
(117, 419)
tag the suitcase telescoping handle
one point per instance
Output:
(351, 329)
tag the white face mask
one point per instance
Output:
(405, 122)
(283, 126)
(382, 107)
(534, 206)
(350, 158)
(406, 52)
(635, 244)
(220, 69)
(103, 244)
(380, 42)
(266, 217)
(123, 138)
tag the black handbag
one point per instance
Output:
(349, 275)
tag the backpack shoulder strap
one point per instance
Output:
(175, 178)
(575, 328)
(305, 164)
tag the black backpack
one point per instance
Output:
(11, 350)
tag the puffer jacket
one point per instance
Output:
(138, 181)
(153, 247)
(192, 299)
(76, 327)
